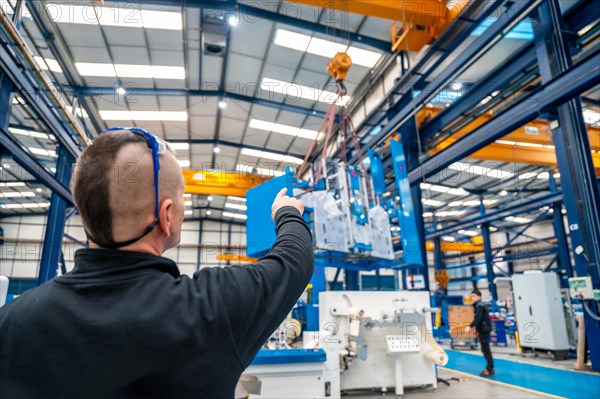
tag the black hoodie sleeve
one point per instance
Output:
(257, 297)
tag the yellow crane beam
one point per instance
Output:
(530, 144)
(464, 247)
(209, 182)
(418, 22)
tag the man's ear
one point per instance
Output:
(164, 215)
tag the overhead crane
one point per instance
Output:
(416, 23)
(530, 144)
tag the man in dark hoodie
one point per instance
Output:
(124, 323)
(483, 328)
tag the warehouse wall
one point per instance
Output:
(21, 253)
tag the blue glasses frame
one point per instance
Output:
(157, 147)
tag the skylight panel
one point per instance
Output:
(179, 146)
(325, 48)
(95, 69)
(16, 194)
(47, 63)
(234, 215)
(115, 16)
(30, 133)
(42, 151)
(481, 171)
(236, 206)
(143, 115)
(293, 40)
(271, 155)
(284, 129)
(363, 57)
(161, 20)
(256, 169)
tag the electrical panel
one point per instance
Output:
(581, 287)
(540, 311)
(402, 344)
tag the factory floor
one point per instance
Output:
(461, 386)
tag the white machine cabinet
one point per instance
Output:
(539, 311)
(396, 349)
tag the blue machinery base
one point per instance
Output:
(283, 356)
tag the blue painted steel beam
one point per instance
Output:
(562, 257)
(514, 12)
(31, 93)
(32, 166)
(18, 13)
(574, 159)
(245, 12)
(515, 209)
(6, 88)
(437, 254)
(496, 80)
(487, 253)
(581, 77)
(578, 17)
(351, 279)
(56, 42)
(91, 91)
(55, 225)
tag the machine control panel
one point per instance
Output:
(402, 344)
(581, 288)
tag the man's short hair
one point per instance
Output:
(476, 292)
(90, 184)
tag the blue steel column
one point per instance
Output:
(6, 89)
(487, 252)
(564, 259)
(437, 253)
(438, 259)
(351, 279)
(18, 15)
(573, 153)
(409, 137)
(55, 225)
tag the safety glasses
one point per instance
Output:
(157, 147)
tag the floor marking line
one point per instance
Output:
(504, 384)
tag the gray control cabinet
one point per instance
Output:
(539, 311)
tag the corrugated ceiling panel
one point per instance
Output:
(82, 35)
(211, 71)
(203, 127)
(124, 36)
(160, 39)
(250, 38)
(203, 106)
(129, 55)
(242, 73)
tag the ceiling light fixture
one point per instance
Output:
(233, 21)
(234, 215)
(271, 155)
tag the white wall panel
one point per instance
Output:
(21, 259)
